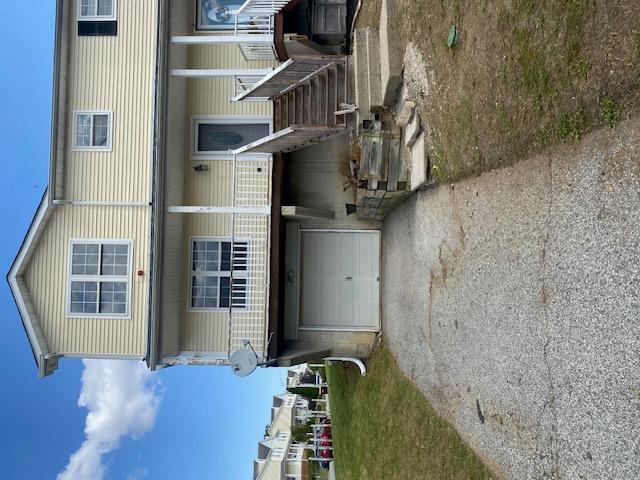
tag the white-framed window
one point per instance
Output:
(100, 10)
(219, 273)
(217, 15)
(99, 278)
(214, 135)
(92, 130)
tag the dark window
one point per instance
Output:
(92, 29)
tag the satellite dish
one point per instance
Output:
(243, 362)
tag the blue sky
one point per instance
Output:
(208, 422)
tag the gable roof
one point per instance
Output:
(45, 360)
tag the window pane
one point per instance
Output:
(204, 292)
(115, 259)
(225, 292)
(216, 14)
(83, 130)
(88, 8)
(225, 264)
(84, 259)
(205, 256)
(83, 297)
(105, 7)
(100, 130)
(113, 297)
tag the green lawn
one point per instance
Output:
(526, 74)
(383, 428)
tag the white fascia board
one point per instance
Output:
(17, 268)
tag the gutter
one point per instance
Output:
(157, 183)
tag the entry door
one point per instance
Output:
(340, 274)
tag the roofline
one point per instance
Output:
(55, 162)
(40, 352)
(157, 189)
(38, 221)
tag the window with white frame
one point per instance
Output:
(92, 131)
(219, 269)
(218, 15)
(100, 278)
(96, 9)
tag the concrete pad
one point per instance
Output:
(406, 114)
(412, 130)
(418, 173)
(391, 56)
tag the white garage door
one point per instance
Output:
(340, 274)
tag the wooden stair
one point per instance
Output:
(314, 101)
(306, 93)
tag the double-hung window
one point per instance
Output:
(100, 278)
(92, 131)
(219, 270)
(96, 9)
(97, 17)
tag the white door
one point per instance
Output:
(340, 274)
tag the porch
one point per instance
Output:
(271, 29)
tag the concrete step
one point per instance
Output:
(361, 67)
(373, 67)
(391, 57)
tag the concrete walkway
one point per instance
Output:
(513, 301)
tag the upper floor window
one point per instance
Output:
(96, 10)
(92, 131)
(218, 273)
(218, 15)
(99, 280)
(97, 17)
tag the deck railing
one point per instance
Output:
(269, 7)
(256, 23)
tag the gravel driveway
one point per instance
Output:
(513, 301)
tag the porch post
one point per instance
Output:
(213, 73)
(249, 39)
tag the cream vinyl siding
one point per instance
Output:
(47, 274)
(116, 74)
(210, 96)
(209, 331)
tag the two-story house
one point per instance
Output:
(161, 235)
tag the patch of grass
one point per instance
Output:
(383, 428)
(610, 111)
(581, 68)
(571, 126)
(525, 76)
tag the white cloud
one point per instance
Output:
(138, 474)
(122, 400)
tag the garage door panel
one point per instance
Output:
(339, 278)
(348, 266)
(367, 291)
